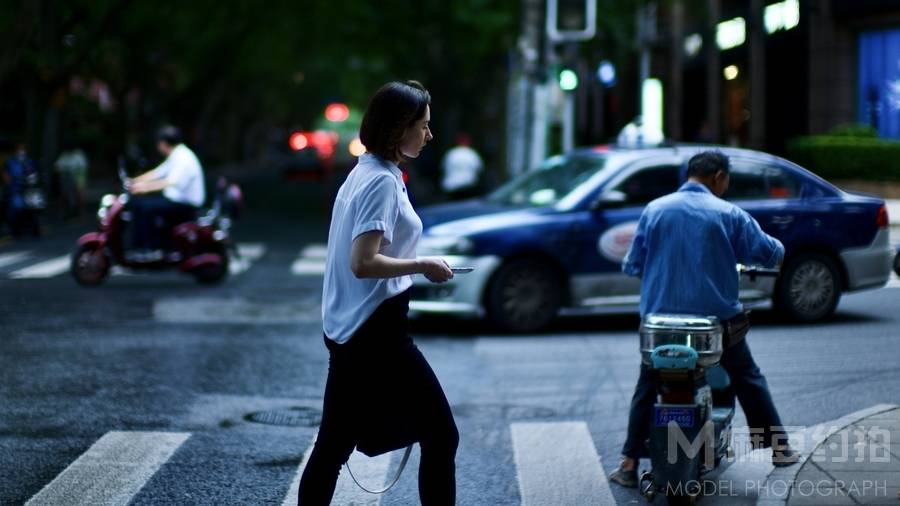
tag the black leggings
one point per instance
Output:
(380, 371)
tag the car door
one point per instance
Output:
(605, 233)
(771, 195)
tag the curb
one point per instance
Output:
(789, 474)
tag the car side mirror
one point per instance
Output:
(609, 199)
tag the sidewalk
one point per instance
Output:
(859, 464)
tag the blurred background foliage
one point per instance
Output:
(236, 74)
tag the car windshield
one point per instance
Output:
(549, 182)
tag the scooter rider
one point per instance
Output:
(179, 178)
(685, 250)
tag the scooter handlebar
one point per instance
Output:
(755, 271)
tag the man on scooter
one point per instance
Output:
(685, 251)
(179, 179)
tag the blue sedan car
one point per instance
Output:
(551, 241)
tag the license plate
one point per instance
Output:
(684, 417)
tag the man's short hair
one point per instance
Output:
(707, 163)
(169, 134)
(393, 109)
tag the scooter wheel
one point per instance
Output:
(212, 274)
(89, 266)
(681, 500)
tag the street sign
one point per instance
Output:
(571, 20)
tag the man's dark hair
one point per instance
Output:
(169, 134)
(707, 163)
(393, 109)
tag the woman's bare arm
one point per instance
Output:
(367, 262)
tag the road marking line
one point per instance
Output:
(557, 463)
(315, 251)
(13, 257)
(371, 472)
(112, 470)
(302, 267)
(310, 261)
(46, 269)
(249, 252)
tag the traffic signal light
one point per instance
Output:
(568, 80)
(571, 20)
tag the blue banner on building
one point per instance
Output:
(879, 81)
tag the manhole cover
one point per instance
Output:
(290, 417)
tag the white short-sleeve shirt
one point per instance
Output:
(184, 175)
(372, 198)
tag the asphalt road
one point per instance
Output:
(155, 390)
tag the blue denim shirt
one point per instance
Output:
(686, 249)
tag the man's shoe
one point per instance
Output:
(784, 457)
(624, 478)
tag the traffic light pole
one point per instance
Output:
(557, 35)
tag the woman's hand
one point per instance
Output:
(435, 270)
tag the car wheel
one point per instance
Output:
(524, 296)
(89, 266)
(897, 263)
(809, 288)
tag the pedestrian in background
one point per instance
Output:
(461, 168)
(380, 394)
(71, 166)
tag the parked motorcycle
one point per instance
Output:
(692, 420)
(199, 246)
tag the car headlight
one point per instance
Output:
(107, 200)
(101, 213)
(445, 245)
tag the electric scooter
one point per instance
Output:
(199, 246)
(690, 434)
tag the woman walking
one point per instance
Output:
(380, 392)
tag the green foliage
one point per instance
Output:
(847, 157)
(216, 66)
(854, 130)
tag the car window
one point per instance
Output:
(649, 184)
(781, 184)
(550, 182)
(748, 182)
(751, 180)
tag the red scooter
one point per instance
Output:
(199, 247)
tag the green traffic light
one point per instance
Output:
(568, 80)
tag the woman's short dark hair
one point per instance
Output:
(707, 164)
(393, 109)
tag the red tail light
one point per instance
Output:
(882, 219)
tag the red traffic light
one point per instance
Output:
(337, 112)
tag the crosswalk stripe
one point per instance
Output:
(45, 269)
(13, 257)
(311, 260)
(315, 251)
(371, 473)
(302, 266)
(112, 471)
(557, 463)
(248, 252)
